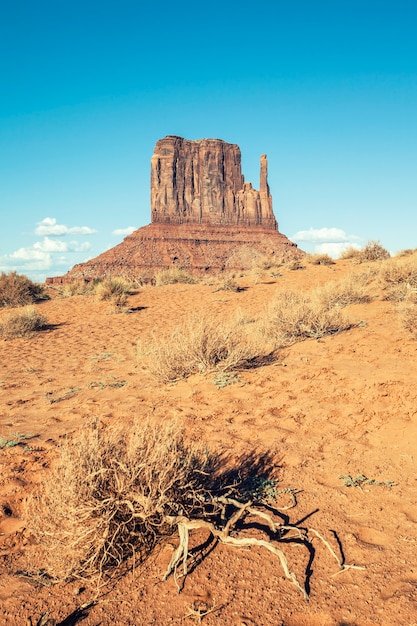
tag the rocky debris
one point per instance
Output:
(205, 217)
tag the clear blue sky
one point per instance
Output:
(328, 89)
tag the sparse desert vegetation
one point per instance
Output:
(281, 400)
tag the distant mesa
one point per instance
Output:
(205, 217)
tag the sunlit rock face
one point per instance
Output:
(201, 182)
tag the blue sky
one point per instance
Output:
(328, 89)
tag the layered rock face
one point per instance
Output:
(205, 217)
(201, 182)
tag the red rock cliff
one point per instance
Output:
(201, 182)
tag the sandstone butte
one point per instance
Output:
(205, 217)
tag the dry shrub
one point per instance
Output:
(108, 497)
(351, 252)
(372, 251)
(319, 259)
(172, 276)
(294, 264)
(409, 319)
(407, 252)
(295, 316)
(22, 323)
(76, 288)
(112, 287)
(398, 278)
(115, 493)
(353, 289)
(18, 290)
(198, 344)
(115, 291)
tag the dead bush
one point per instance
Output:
(115, 291)
(319, 259)
(110, 288)
(398, 279)
(409, 319)
(351, 252)
(18, 290)
(115, 493)
(76, 288)
(200, 343)
(109, 495)
(353, 289)
(22, 323)
(295, 316)
(172, 276)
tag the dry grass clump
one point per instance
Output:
(353, 289)
(351, 252)
(22, 323)
(294, 316)
(372, 251)
(319, 259)
(200, 343)
(18, 290)
(409, 319)
(108, 497)
(115, 291)
(294, 264)
(398, 278)
(172, 276)
(76, 288)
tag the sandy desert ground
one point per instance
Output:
(342, 405)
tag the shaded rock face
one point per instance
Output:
(205, 217)
(201, 182)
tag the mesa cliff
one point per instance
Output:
(201, 182)
(205, 217)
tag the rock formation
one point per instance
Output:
(201, 182)
(205, 217)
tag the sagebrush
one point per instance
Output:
(199, 344)
(22, 323)
(18, 290)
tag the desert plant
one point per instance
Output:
(294, 264)
(198, 344)
(22, 323)
(295, 316)
(351, 252)
(112, 288)
(76, 288)
(319, 259)
(18, 290)
(352, 289)
(398, 279)
(373, 251)
(409, 319)
(173, 275)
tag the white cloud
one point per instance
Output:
(124, 231)
(49, 226)
(334, 249)
(50, 245)
(324, 235)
